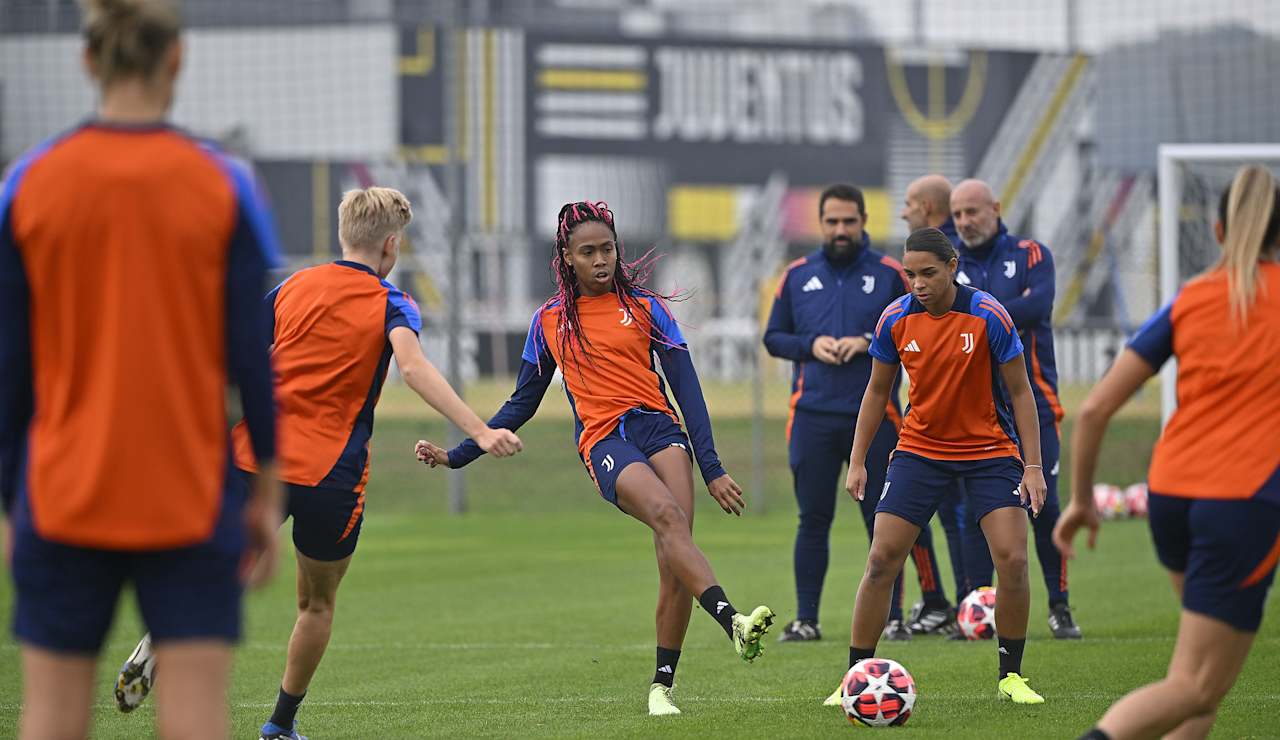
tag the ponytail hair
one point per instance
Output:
(129, 38)
(1249, 212)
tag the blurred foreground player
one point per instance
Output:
(1214, 506)
(132, 264)
(602, 329)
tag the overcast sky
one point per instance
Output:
(1037, 23)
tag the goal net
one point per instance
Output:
(1192, 178)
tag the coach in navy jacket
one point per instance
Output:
(1019, 273)
(823, 314)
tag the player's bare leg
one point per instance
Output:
(675, 603)
(890, 546)
(1207, 659)
(643, 495)
(57, 693)
(1006, 533)
(317, 594)
(191, 702)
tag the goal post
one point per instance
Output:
(1191, 179)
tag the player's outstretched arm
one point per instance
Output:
(1124, 379)
(1033, 487)
(428, 383)
(531, 386)
(874, 401)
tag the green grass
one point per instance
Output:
(532, 616)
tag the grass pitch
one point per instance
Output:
(532, 615)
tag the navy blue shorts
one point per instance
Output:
(915, 485)
(1226, 550)
(66, 595)
(638, 436)
(326, 521)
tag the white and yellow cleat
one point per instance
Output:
(660, 701)
(834, 700)
(136, 676)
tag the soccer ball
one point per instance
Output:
(1135, 499)
(877, 692)
(977, 614)
(1109, 501)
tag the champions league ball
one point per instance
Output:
(877, 692)
(977, 614)
(1109, 501)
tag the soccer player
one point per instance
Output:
(1018, 272)
(927, 203)
(336, 328)
(132, 263)
(602, 329)
(1214, 505)
(823, 313)
(959, 347)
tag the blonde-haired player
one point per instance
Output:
(336, 328)
(1214, 506)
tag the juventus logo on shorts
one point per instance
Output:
(884, 491)
(607, 463)
(967, 338)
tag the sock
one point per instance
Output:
(857, 654)
(715, 603)
(1095, 734)
(1011, 656)
(667, 660)
(286, 708)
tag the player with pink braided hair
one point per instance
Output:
(607, 329)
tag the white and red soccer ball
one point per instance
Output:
(976, 615)
(1109, 500)
(1135, 499)
(877, 692)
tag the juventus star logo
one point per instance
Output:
(626, 317)
(967, 340)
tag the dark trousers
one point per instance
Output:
(819, 447)
(977, 555)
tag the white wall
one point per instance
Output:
(315, 92)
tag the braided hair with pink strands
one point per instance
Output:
(628, 278)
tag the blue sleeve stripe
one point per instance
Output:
(9, 186)
(403, 303)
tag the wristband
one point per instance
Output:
(1034, 466)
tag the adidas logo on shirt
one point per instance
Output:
(813, 284)
(911, 347)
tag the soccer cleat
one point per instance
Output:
(1062, 624)
(897, 631)
(834, 700)
(660, 702)
(748, 629)
(271, 731)
(801, 630)
(931, 620)
(1014, 688)
(137, 675)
